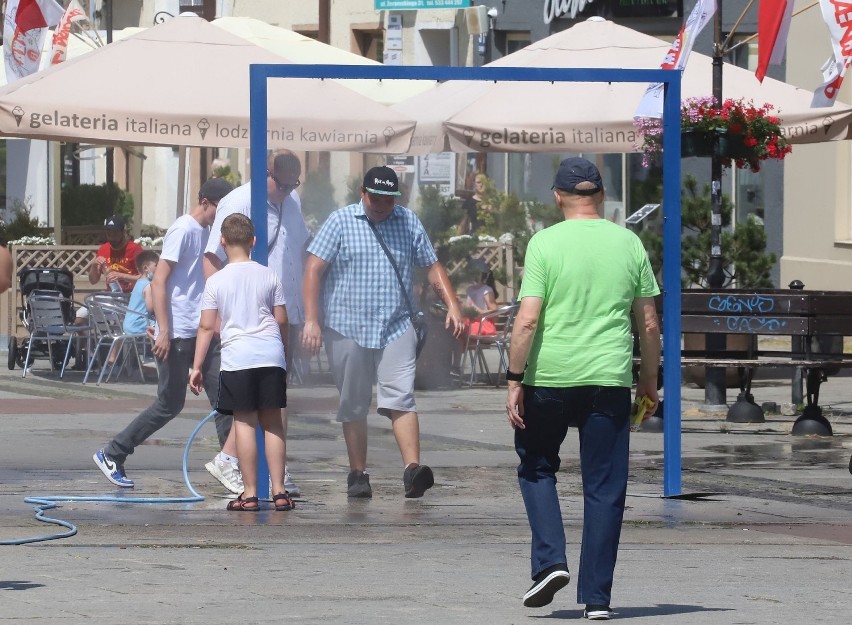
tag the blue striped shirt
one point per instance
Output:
(361, 295)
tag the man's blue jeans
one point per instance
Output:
(601, 415)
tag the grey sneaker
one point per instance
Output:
(417, 480)
(358, 485)
(290, 486)
(228, 474)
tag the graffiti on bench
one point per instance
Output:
(751, 304)
(751, 325)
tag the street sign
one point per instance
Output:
(401, 164)
(643, 212)
(414, 5)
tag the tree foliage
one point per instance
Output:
(744, 257)
(89, 204)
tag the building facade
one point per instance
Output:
(488, 30)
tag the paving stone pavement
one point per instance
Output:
(773, 546)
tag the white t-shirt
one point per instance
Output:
(287, 235)
(476, 294)
(244, 295)
(183, 246)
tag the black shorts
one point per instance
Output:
(249, 390)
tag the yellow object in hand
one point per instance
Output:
(638, 410)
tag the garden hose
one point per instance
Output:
(48, 502)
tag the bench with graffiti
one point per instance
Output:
(814, 321)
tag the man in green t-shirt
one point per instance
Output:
(570, 366)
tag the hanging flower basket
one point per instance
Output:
(747, 134)
(732, 145)
(696, 143)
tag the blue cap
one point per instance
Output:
(572, 171)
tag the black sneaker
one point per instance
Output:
(546, 584)
(597, 612)
(417, 480)
(358, 485)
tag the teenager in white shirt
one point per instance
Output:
(176, 288)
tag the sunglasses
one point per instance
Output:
(284, 186)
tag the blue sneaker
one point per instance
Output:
(110, 468)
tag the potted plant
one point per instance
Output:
(747, 134)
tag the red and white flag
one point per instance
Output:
(34, 14)
(838, 18)
(73, 14)
(24, 31)
(773, 27)
(651, 104)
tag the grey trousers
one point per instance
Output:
(171, 397)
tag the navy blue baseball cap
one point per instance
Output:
(572, 171)
(214, 190)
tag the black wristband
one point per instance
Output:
(511, 376)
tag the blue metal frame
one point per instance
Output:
(260, 74)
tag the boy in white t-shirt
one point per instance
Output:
(176, 288)
(249, 300)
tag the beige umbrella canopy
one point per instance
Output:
(297, 48)
(464, 116)
(186, 82)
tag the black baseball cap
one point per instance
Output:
(574, 170)
(214, 190)
(382, 181)
(114, 223)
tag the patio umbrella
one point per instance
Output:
(466, 116)
(298, 48)
(186, 82)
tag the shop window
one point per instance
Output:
(310, 33)
(369, 43)
(508, 42)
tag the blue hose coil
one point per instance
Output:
(48, 502)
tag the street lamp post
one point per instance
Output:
(110, 152)
(714, 379)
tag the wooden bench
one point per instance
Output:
(809, 318)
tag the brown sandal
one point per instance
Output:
(283, 502)
(240, 504)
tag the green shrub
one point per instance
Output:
(88, 205)
(22, 223)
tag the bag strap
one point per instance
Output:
(271, 246)
(402, 288)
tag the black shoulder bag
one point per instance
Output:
(417, 322)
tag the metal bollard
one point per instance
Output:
(797, 396)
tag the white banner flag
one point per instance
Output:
(651, 104)
(24, 32)
(837, 16)
(73, 14)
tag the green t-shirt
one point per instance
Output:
(587, 272)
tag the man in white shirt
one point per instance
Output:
(287, 241)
